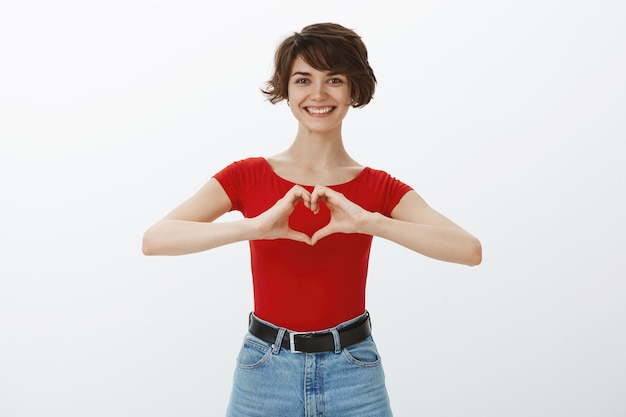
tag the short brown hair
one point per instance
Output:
(326, 47)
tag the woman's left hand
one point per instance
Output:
(345, 216)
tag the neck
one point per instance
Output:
(319, 150)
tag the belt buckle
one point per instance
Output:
(292, 341)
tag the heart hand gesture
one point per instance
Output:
(274, 223)
(345, 216)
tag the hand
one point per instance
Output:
(274, 223)
(345, 216)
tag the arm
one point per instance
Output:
(415, 225)
(412, 224)
(190, 227)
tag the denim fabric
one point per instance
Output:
(274, 382)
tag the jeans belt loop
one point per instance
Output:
(278, 343)
(336, 339)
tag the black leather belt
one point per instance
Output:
(313, 342)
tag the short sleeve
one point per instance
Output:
(390, 189)
(237, 178)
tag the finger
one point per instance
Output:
(302, 193)
(319, 193)
(300, 190)
(298, 236)
(320, 234)
(297, 194)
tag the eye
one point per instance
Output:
(335, 80)
(301, 81)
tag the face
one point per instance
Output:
(318, 99)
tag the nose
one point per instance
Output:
(319, 91)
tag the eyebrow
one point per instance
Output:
(308, 74)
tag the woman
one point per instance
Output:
(309, 214)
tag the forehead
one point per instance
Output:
(300, 66)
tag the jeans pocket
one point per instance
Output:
(364, 354)
(252, 355)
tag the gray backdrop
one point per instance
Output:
(507, 116)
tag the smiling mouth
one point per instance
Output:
(319, 110)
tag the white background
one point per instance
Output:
(507, 116)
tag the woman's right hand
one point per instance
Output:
(274, 223)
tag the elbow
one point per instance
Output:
(149, 246)
(476, 254)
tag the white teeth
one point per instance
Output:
(321, 110)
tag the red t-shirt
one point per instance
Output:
(298, 286)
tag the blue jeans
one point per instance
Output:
(270, 381)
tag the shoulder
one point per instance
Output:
(243, 167)
(381, 180)
(241, 175)
(253, 162)
(377, 190)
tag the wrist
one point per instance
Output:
(368, 224)
(251, 228)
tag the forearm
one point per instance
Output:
(179, 237)
(438, 242)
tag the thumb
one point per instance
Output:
(320, 234)
(298, 236)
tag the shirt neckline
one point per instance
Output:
(269, 167)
